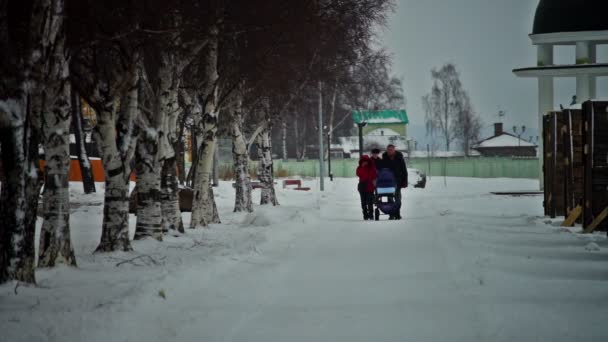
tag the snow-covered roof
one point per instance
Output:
(381, 116)
(504, 140)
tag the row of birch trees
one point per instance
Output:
(150, 68)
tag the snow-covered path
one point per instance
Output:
(463, 265)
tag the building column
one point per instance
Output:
(545, 102)
(585, 84)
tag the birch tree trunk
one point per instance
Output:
(203, 202)
(265, 172)
(284, 138)
(148, 169)
(303, 141)
(116, 154)
(20, 189)
(55, 242)
(193, 156)
(216, 165)
(86, 170)
(172, 217)
(21, 104)
(180, 152)
(296, 134)
(240, 156)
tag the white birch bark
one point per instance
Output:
(116, 155)
(203, 202)
(284, 138)
(265, 166)
(173, 64)
(172, 218)
(216, 165)
(20, 189)
(243, 201)
(303, 144)
(296, 134)
(149, 215)
(21, 103)
(55, 242)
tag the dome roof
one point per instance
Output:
(570, 16)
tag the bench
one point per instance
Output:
(296, 182)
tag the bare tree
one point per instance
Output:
(444, 104)
(468, 127)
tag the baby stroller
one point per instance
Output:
(385, 200)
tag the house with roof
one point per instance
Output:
(382, 122)
(503, 144)
(378, 128)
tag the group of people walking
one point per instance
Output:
(368, 171)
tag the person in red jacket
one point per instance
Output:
(367, 184)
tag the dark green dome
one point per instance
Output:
(570, 16)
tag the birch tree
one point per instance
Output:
(105, 71)
(55, 242)
(441, 103)
(33, 83)
(265, 168)
(240, 155)
(468, 127)
(203, 203)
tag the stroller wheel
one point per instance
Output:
(377, 214)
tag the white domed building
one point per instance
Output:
(581, 24)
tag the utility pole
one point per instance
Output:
(321, 149)
(361, 125)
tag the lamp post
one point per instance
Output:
(361, 125)
(523, 130)
(321, 150)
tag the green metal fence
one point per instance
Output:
(479, 167)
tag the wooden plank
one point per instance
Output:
(597, 221)
(587, 173)
(574, 215)
(548, 164)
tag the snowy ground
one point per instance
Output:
(464, 265)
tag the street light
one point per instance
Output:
(523, 130)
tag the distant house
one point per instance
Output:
(380, 128)
(504, 144)
(383, 122)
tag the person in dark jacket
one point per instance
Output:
(367, 185)
(393, 160)
(376, 159)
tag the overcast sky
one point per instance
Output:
(486, 39)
